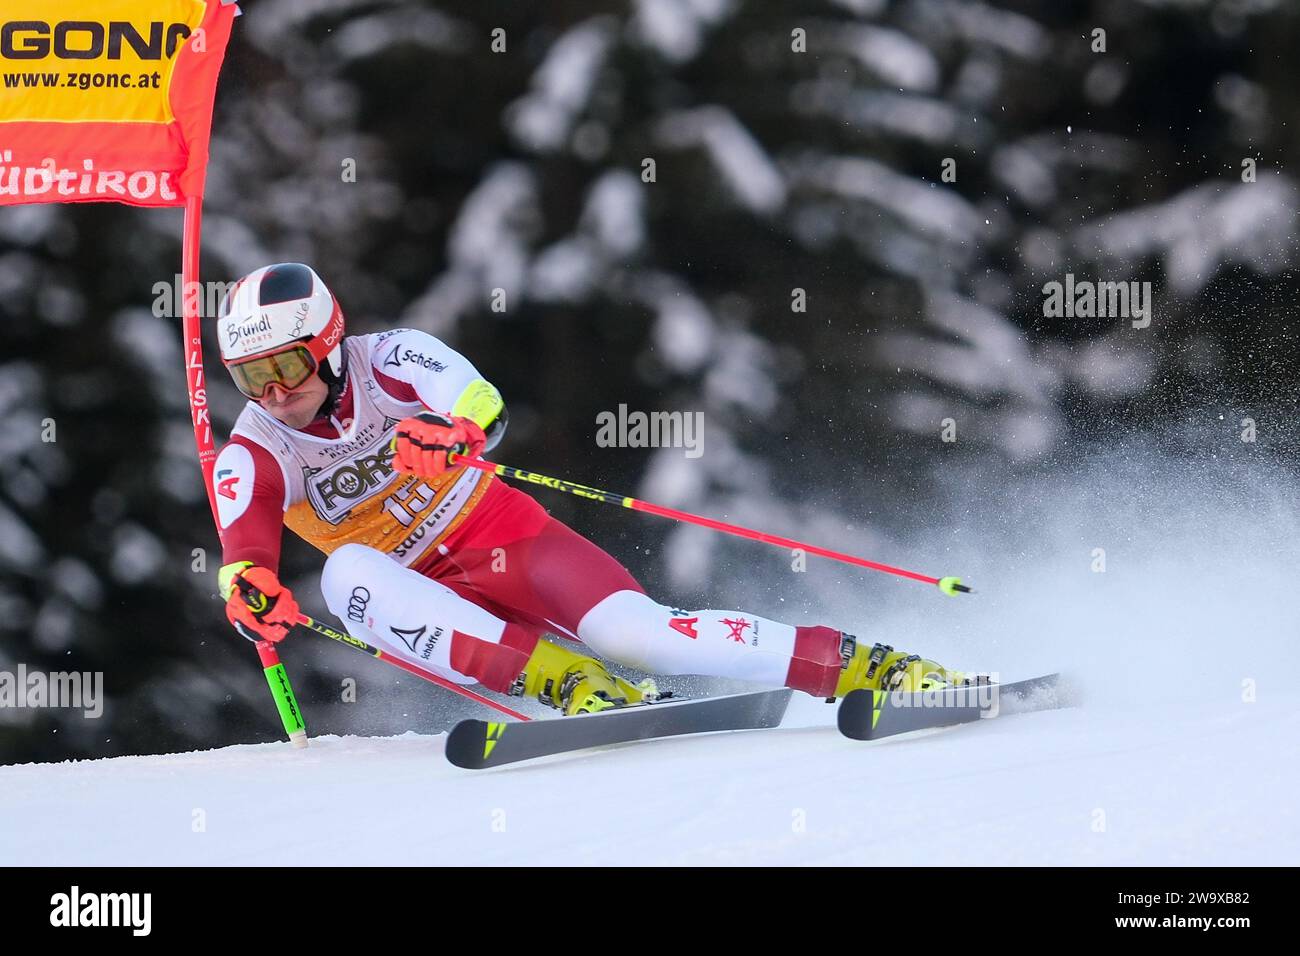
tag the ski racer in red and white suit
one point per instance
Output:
(448, 566)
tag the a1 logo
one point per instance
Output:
(226, 487)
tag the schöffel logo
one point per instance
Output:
(416, 358)
(333, 493)
(415, 639)
(88, 40)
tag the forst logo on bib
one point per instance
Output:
(89, 40)
(332, 494)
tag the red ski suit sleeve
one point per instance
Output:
(250, 503)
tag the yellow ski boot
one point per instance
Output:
(576, 684)
(880, 667)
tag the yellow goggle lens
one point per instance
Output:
(286, 369)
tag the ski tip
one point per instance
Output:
(858, 713)
(953, 586)
(470, 743)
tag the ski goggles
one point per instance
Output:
(288, 369)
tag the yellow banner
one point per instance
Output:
(61, 64)
(108, 100)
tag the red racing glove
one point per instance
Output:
(424, 441)
(259, 606)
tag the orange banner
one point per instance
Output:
(108, 100)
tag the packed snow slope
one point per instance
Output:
(1164, 587)
(1188, 782)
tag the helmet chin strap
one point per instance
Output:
(336, 388)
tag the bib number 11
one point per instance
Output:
(405, 508)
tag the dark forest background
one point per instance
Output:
(775, 171)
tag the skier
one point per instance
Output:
(346, 440)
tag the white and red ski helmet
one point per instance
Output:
(274, 309)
